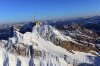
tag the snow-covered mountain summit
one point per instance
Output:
(37, 48)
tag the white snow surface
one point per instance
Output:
(55, 53)
(47, 31)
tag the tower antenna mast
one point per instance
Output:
(34, 17)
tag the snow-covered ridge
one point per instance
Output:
(50, 33)
(38, 40)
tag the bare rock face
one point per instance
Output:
(26, 50)
(19, 49)
(71, 46)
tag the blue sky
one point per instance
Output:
(24, 10)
